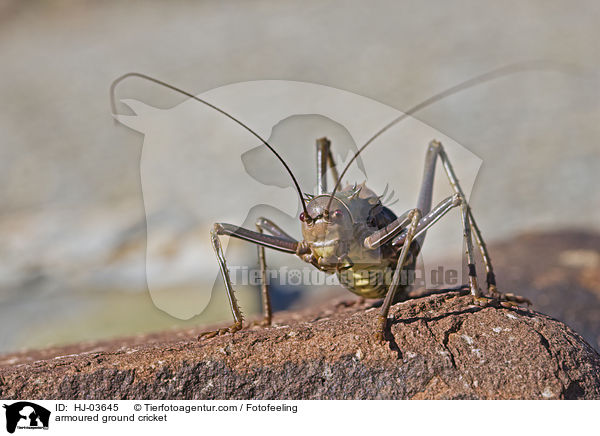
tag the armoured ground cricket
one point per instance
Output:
(348, 231)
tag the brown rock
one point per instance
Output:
(440, 347)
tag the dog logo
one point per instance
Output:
(26, 415)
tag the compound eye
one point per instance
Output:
(301, 216)
(337, 214)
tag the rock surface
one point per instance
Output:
(440, 347)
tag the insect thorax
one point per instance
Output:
(338, 247)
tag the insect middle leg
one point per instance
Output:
(265, 224)
(285, 244)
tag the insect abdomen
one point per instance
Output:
(367, 282)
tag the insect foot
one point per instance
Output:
(353, 303)
(382, 325)
(211, 334)
(265, 322)
(508, 297)
(497, 298)
(482, 301)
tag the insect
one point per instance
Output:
(349, 232)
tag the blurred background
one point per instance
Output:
(72, 221)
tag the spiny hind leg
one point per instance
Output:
(493, 292)
(474, 232)
(281, 241)
(434, 151)
(324, 161)
(470, 228)
(233, 303)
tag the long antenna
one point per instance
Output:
(181, 91)
(477, 80)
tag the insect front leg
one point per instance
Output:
(414, 216)
(285, 244)
(396, 230)
(265, 224)
(399, 234)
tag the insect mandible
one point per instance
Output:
(349, 232)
